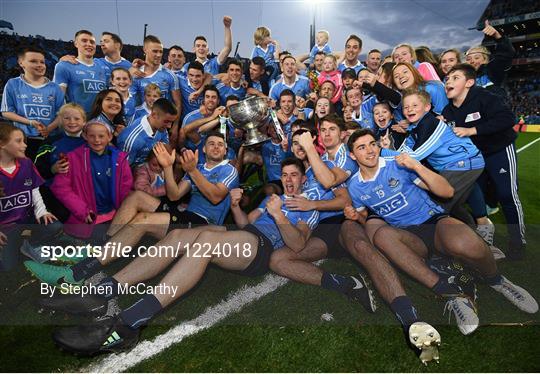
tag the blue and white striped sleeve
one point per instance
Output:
(230, 177)
(429, 146)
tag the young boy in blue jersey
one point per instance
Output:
(83, 81)
(201, 50)
(483, 116)
(290, 80)
(457, 159)
(394, 189)
(265, 229)
(141, 213)
(267, 49)
(234, 85)
(322, 37)
(152, 92)
(138, 139)
(31, 100)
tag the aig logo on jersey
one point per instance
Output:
(93, 86)
(37, 111)
(391, 205)
(19, 200)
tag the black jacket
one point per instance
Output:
(500, 63)
(494, 121)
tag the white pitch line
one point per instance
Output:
(148, 348)
(527, 145)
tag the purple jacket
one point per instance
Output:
(75, 189)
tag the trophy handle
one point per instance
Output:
(277, 125)
(223, 125)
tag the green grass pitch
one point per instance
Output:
(283, 331)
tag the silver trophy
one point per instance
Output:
(250, 115)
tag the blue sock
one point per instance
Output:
(336, 282)
(141, 312)
(405, 311)
(86, 268)
(494, 280)
(111, 284)
(443, 288)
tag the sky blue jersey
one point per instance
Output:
(443, 149)
(139, 112)
(393, 194)
(316, 191)
(138, 139)
(211, 66)
(83, 82)
(272, 155)
(223, 173)
(187, 89)
(342, 160)
(163, 78)
(325, 48)
(226, 90)
(267, 226)
(40, 103)
(359, 66)
(267, 54)
(109, 66)
(300, 87)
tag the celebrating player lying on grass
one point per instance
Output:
(142, 213)
(324, 242)
(393, 189)
(269, 227)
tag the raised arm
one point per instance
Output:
(215, 193)
(224, 53)
(295, 237)
(339, 202)
(240, 217)
(326, 176)
(166, 160)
